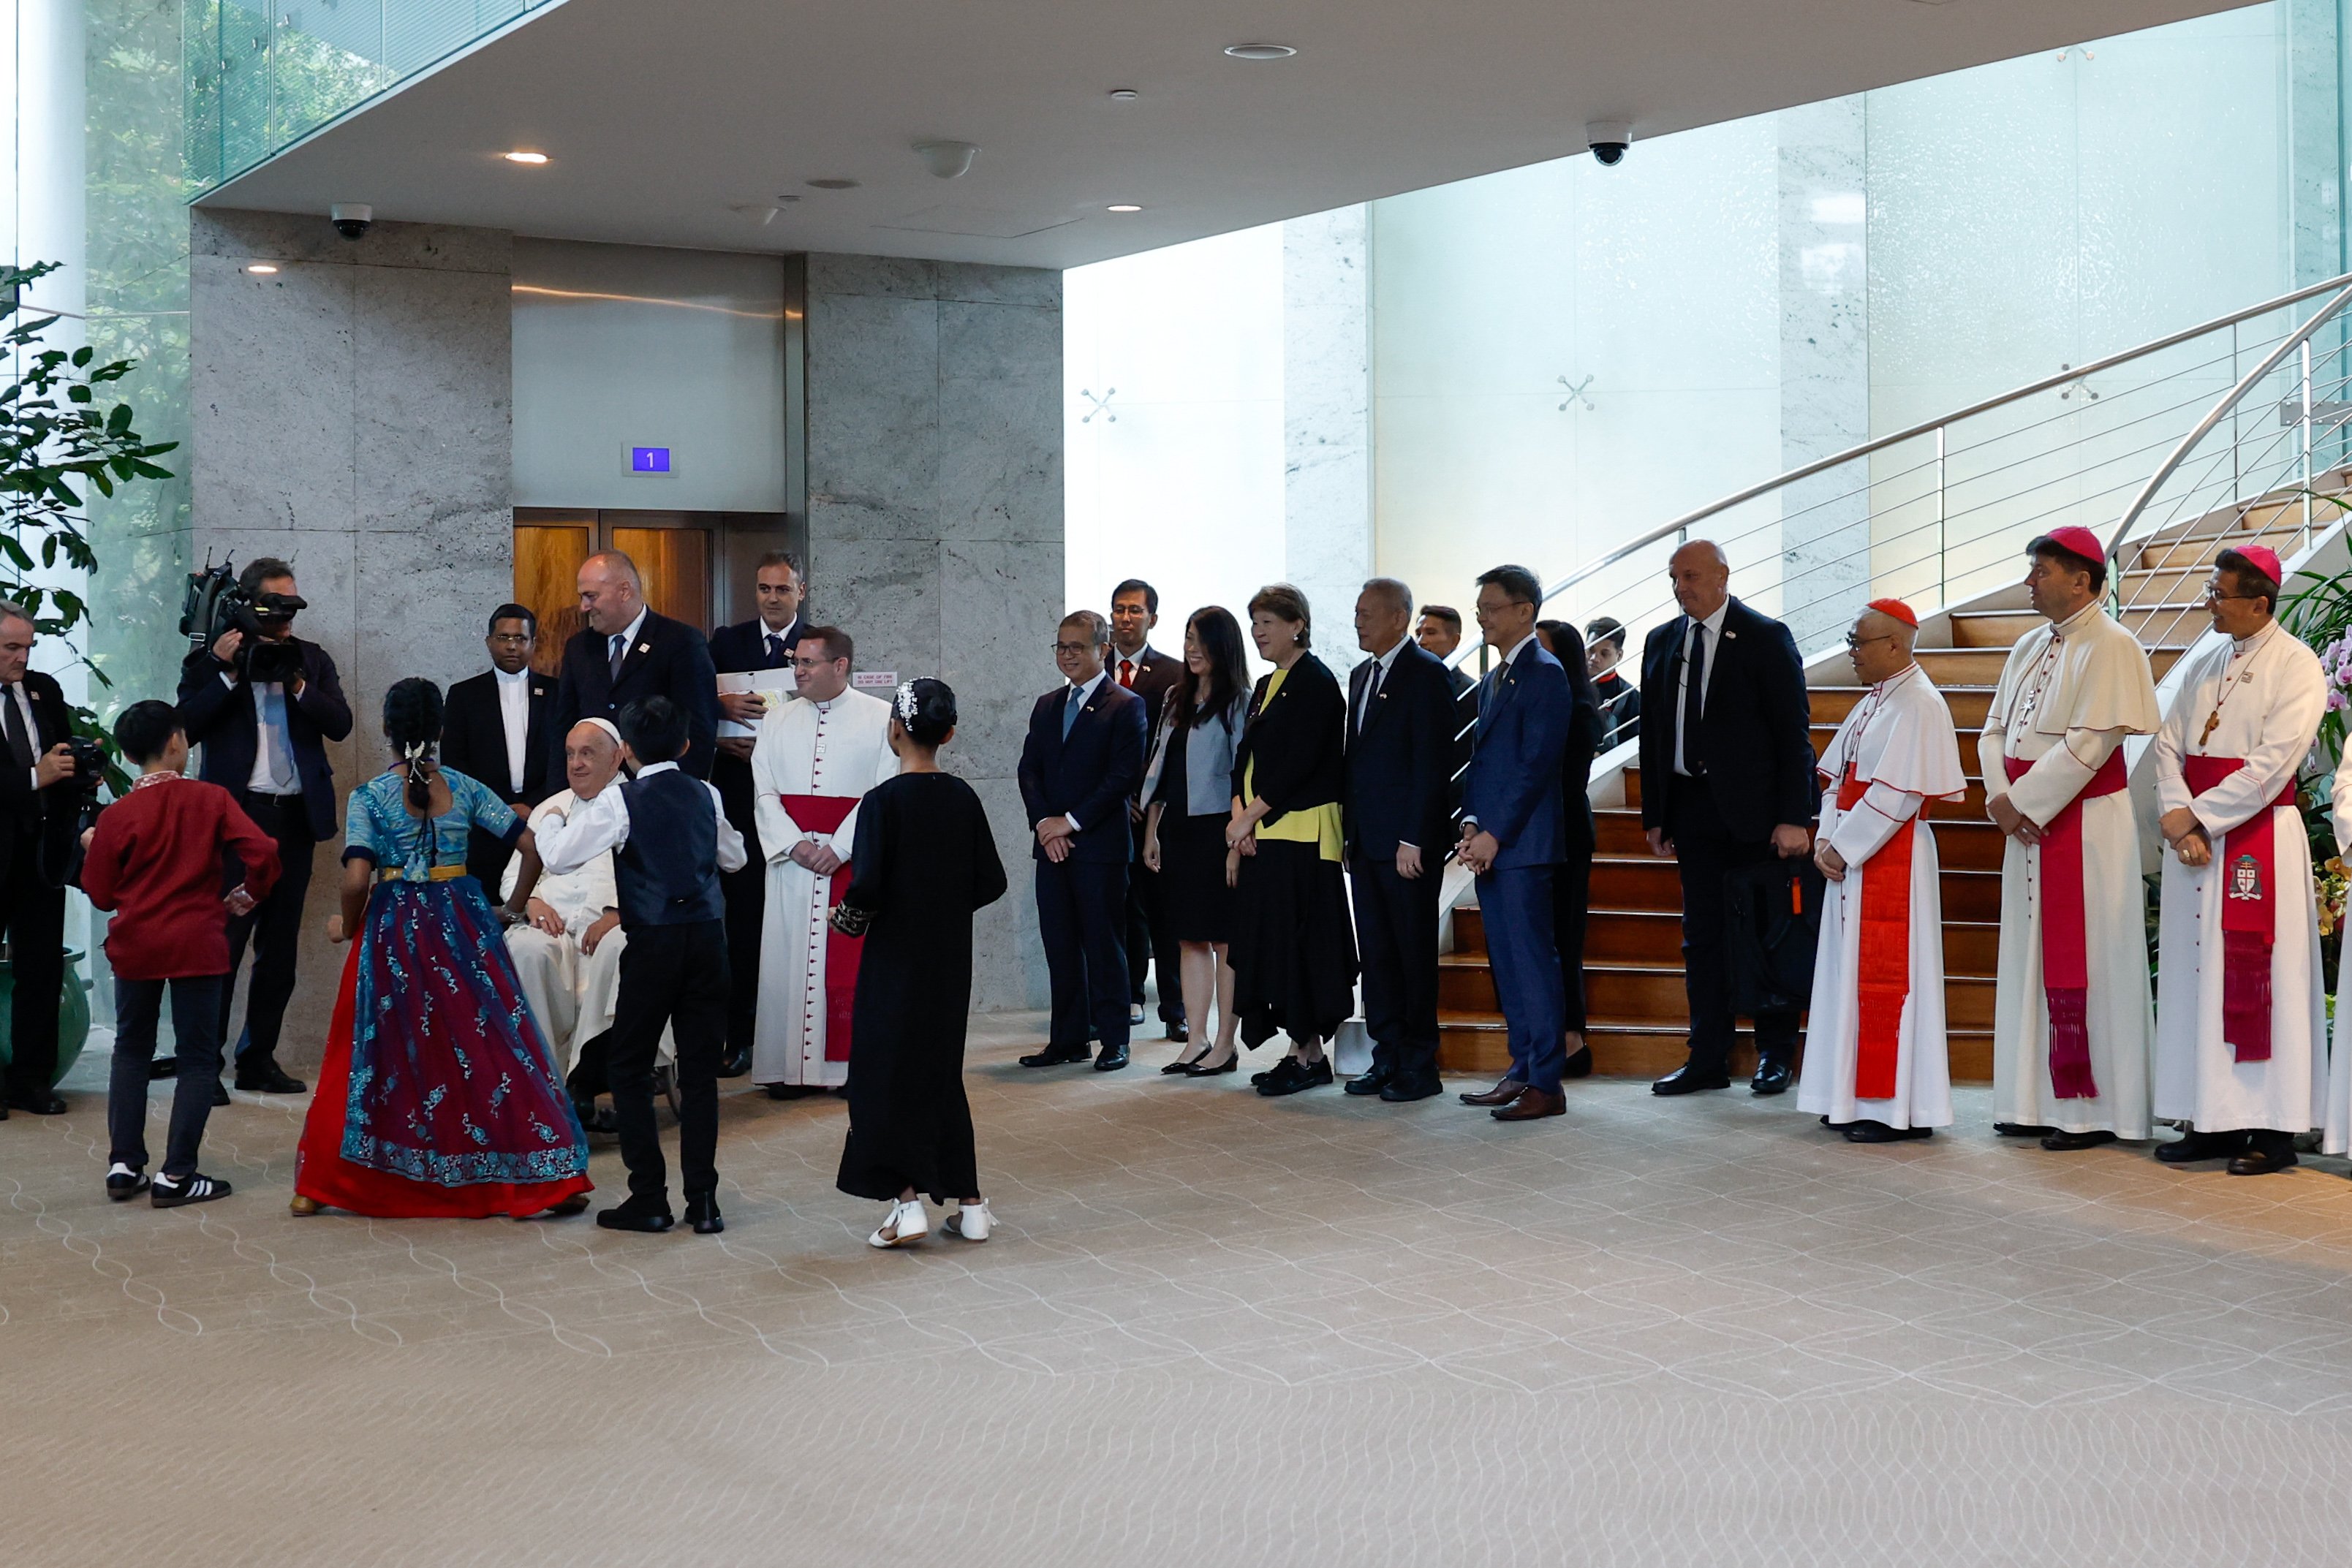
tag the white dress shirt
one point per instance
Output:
(260, 782)
(1085, 693)
(1714, 625)
(514, 713)
(628, 637)
(24, 701)
(1386, 665)
(603, 824)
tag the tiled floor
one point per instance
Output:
(1212, 1329)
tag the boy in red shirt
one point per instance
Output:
(155, 859)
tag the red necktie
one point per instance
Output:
(1127, 674)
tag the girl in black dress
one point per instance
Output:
(1189, 789)
(925, 862)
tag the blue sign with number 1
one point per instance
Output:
(648, 459)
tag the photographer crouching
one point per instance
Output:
(262, 703)
(40, 805)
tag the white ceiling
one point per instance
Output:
(660, 117)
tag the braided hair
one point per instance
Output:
(412, 722)
(926, 709)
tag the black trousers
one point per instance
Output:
(195, 1025)
(1571, 888)
(1704, 852)
(674, 976)
(746, 892)
(1396, 930)
(273, 927)
(33, 913)
(1080, 918)
(1148, 940)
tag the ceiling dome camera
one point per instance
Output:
(352, 219)
(1607, 140)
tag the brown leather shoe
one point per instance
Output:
(1533, 1105)
(1502, 1093)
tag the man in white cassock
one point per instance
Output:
(2072, 1022)
(567, 949)
(2241, 1022)
(814, 760)
(1878, 1068)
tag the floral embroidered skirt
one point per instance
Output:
(439, 1097)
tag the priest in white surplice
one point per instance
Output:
(2072, 1023)
(1876, 1063)
(813, 759)
(2241, 1025)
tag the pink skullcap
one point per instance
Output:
(1897, 610)
(2263, 559)
(2078, 541)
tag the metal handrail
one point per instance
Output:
(2342, 284)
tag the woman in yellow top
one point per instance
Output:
(1293, 951)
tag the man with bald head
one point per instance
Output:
(627, 653)
(1877, 1067)
(1726, 781)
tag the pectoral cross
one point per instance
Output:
(2212, 721)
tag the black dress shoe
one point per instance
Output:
(1054, 1056)
(265, 1077)
(702, 1213)
(2021, 1130)
(736, 1062)
(1579, 1063)
(1301, 1076)
(39, 1103)
(2061, 1143)
(1182, 1065)
(220, 1094)
(2194, 1147)
(649, 1215)
(2265, 1153)
(163, 1067)
(1231, 1064)
(1402, 1089)
(1772, 1078)
(1371, 1082)
(1178, 1033)
(1112, 1059)
(1880, 1133)
(1691, 1079)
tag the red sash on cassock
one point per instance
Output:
(1884, 982)
(822, 814)
(2065, 951)
(2249, 923)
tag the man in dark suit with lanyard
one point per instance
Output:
(1399, 762)
(763, 642)
(1726, 781)
(1079, 768)
(37, 823)
(627, 652)
(494, 730)
(1150, 675)
(264, 714)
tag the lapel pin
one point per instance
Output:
(644, 647)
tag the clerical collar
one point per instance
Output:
(520, 676)
(2248, 644)
(1891, 682)
(2080, 618)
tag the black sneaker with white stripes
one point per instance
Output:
(196, 1187)
(124, 1183)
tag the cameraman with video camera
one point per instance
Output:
(262, 703)
(40, 802)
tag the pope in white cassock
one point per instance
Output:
(2072, 1022)
(1876, 1063)
(567, 951)
(2241, 1024)
(814, 760)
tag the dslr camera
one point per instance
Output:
(216, 605)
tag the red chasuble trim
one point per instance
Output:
(2249, 868)
(2066, 950)
(1883, 981)
(824, 814)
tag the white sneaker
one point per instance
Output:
(906, 1223)
(971, 1221)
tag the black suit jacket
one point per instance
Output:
(218, 715)
(1298, 741)
(1400, 763)
(1754, 729)
(1586, 725)
(1155, 674)
(473, 738)
(38, 822)
(1091, 775)
(668, 659)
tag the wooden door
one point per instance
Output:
(547, 571)
(676, 565)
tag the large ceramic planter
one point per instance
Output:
(73, 1015)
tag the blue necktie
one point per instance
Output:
(273, 725)
(1070, 711)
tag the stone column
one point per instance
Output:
(1824, 367)
(1327, 420)
(350, 413)
(935, 520)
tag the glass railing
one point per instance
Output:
(262, 74)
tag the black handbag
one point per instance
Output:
(1772, 915)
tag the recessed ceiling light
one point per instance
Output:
(1124, 95)
(835, 185)
(1261, 51)
(261, 268)
(1122, 207)
(519, 156)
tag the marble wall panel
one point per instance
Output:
(999, 422)
(430, 370)
(873, 423)
(270, 421)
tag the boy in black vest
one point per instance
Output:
(671, 839)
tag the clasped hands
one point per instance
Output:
(1056, 836)
(2187, 836)
(811, 855)
(2013, 823)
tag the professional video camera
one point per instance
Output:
(216, 605)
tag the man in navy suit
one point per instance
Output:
(1079, 767)
(1400, 766)
(39, 810)
(263, 715)
(763, 642)
(1513, 832)
(627, 652)
(1726, 780)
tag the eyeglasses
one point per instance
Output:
(2213, 595)
(1852, 642)
(1074, 648)
(510, 639)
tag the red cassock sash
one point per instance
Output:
(824, 814)
(2249, 923)
(1884, 982)
(2066, 950)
